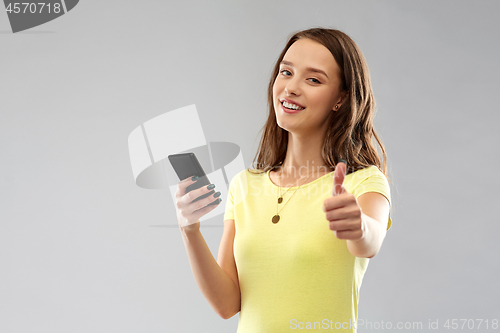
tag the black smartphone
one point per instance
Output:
(187, 165)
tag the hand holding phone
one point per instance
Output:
(194, 198)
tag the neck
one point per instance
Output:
(303, 157)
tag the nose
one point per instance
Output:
(292, 87)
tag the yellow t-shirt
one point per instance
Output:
(295, 274)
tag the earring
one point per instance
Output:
(336, 107)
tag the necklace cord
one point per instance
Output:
(276, 217)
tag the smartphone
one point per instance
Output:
(187, 165)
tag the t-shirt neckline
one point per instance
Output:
(268, 176)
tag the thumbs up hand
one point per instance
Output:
(342, 209)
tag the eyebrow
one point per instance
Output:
(310, 69)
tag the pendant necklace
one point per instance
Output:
(276, 217)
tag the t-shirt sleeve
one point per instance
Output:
(229, 213)
(374, 181)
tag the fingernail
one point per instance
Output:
(344, 161)
(209, 187)
(194, 177)
(216, 195)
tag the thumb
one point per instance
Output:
(338, 178)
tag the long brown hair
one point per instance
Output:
(350, 131)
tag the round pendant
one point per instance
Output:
(276, 218)
(280, 200)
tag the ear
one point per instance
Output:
(343, 97)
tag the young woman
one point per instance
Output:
(300, 227)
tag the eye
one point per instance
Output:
(285, 72)
(314, 80)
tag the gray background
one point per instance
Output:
(78, 248)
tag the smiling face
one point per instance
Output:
(307, 87)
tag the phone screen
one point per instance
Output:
(187, 165)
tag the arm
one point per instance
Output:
(216, 282)
(374, 216)
(361, 222)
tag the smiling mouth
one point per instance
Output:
(291, 106)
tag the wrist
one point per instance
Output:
(189, 230)
(364, 231)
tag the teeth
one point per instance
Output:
(291, 106)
